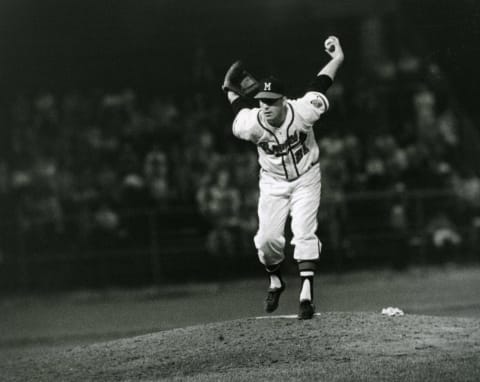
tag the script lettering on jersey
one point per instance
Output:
(290, 143)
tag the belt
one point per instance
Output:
(313, 164)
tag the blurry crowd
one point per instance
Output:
(90, 169)
(399, 136)
(78, 164)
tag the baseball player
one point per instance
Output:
(290, 181)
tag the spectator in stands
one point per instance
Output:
(157, 177)
(399, 225)
(133, 193)
(467, 190)
(107, 230)
(220, 202)
(444, 239)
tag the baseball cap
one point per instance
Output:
(270, 88)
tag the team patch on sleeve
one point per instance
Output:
(319, 102)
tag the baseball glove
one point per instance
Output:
(240, 81)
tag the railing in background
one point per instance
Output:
(399, 228)
(154, 246)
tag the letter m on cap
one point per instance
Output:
(267, 86)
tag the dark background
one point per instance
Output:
(153, 45)
(89, 89)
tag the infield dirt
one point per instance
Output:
(331, 347)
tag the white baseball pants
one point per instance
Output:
(278, 198)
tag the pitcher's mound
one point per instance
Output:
(330, 347)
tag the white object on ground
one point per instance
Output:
(390, 311)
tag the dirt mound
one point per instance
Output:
(332, 346)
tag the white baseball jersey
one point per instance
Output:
(290, 150)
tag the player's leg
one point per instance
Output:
(270, 238)
(304, 208)
(273, 209)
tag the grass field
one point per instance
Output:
(203, 332)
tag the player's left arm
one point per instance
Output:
(314, 103)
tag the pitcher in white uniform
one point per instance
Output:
(290, 179)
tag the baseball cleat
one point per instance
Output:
(273, 296)
(306, 310)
